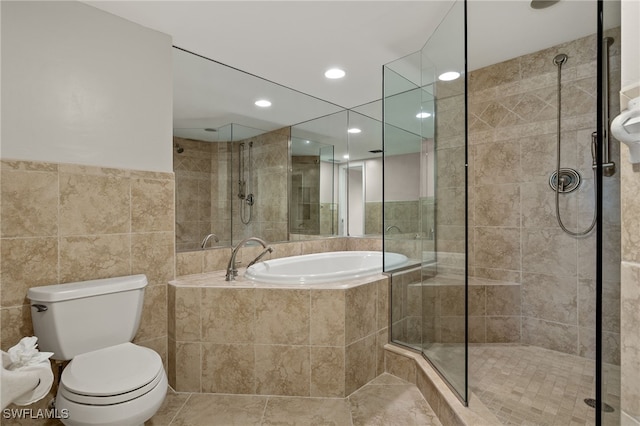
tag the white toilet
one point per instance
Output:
(109, 381)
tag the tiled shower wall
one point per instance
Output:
(514, 236)
(202, 193)
(269, 187)
(64, 223)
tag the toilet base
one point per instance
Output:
(130, 413)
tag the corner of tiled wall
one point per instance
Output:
(630, 282)
(64, 223)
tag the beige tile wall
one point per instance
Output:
(432, 310)
(63, 223)
(630, 286)
(269, 186)
(319, 343)
(203, 199)
(514, 234)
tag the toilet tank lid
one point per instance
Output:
(80, 289)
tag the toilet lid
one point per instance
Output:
(111, 371)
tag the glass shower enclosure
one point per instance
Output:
(508, 307)
(425, 197)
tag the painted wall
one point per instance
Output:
(82, 86)
(87, 188)
(403, 177)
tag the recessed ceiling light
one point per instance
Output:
(423, 115)
(448, 76)
(354, 130)
(334, 73)
(263, 103)
(307, 141)
(346, 156)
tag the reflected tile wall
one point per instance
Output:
(64, 222)
(196, 192)
(297, 342)
(269, 170)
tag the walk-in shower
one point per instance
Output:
(509, 308)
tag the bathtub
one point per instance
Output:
(323, 267)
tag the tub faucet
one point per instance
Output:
(206, 240)
(232, 270)
(389, 228)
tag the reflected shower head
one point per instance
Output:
(560, 59)
(542, 4)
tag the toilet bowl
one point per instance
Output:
(109, 380)
(119, 385)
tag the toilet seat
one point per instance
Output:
(112, 375)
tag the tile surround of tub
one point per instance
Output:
(64, 222)
(300, 342)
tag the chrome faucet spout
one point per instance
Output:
(207, 238)
(261, 255)
(232, 270)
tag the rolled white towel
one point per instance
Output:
(26, 375)
(26, 385)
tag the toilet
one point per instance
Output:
(109, 381)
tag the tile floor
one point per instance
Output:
(527, 385)
(386, 400)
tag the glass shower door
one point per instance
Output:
(425, 131)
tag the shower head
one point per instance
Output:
(179, 149)
(560, 59)
(542, 4)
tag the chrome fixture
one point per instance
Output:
(247, 199)
(232, 270)
(390, 227)
(207, 238)
(565, 180)
(608, 167)
(560, 59)
(569, 180)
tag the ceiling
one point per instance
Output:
(292, 43)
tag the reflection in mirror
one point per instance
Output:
(311, 205)
(207, 98)
(314, 206)
(365, 171)
(203, 162)
(259, 182)
(409, 161)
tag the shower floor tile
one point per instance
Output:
(386, 400)
(527, 385)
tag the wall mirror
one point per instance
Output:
(232, 158)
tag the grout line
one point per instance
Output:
(175, 416)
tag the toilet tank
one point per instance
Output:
(74, 318)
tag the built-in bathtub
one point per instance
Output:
(330, 267)
(276, 338)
